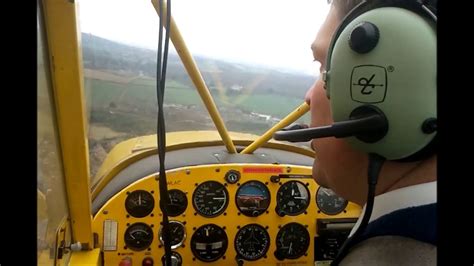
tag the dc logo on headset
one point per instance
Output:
(368, 84)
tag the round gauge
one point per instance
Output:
(252, 198)
(209, 243)
(210, 199)
(178, 234)
(138, 236)
(139, 203)
(292, 198)
(252, 242)
(178, 202)
(328, 202)
(292, 241)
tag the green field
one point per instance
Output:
(141, 94)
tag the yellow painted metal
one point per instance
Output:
(186, 179)
(132, 150)
(292, 117)
(63, 37)
(197, 79)
(53, 227)
(86, 258)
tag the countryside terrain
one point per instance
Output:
(120, 89)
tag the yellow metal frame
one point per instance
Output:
(196, 78)
(65, 55)
(297, 113)
(132, 150)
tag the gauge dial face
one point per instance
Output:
(292, 240)
(252, 198)
(178, 202)
(210, 199)
(328, 202)
(139, 203)
(138, 236)
(209, 243)
(177, 232)
(252, 242)
(293, 198)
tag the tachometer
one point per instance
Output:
(252, 242)
(139, 203)
(328, 202)
(178, 234)
(209, 243)
(292, 198)
(178, 202)
(210, 199)
(292, 241)
(252, 198)
(138, 236)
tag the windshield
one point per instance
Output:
(254, 56)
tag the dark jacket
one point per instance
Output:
(404, 237)
(391, 250)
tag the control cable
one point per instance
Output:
(375, 165)
(162, 59)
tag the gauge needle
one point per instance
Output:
(292, 191)
(207, 232)
(132, 236)
(289, 249)
(218, 198)
(139, 199)
(299, 197)
(326, 192)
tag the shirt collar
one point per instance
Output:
(401, 198)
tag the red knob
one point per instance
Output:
(126, 262)
(147, 262)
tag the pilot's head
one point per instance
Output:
(338, 165)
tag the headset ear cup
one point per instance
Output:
(386, 57)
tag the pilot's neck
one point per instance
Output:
(420, 172)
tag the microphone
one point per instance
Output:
(367, 123)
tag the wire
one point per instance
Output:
(375, 165)
(161, 130)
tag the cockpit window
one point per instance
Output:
(253, 56)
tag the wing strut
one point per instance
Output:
(198, 81)
(297, 113)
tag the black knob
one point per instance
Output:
(430, 125)
(232, 176)
(279, 254)
(240, 260)
(176, 259)
(280, 212)
(275, 179)
(364, 37)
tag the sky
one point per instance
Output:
(274, 33)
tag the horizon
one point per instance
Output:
(173, 51)
(271, 33)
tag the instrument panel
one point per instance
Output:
(255, 214)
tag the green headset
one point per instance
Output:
(381, 81)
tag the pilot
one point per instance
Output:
(402, 227)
